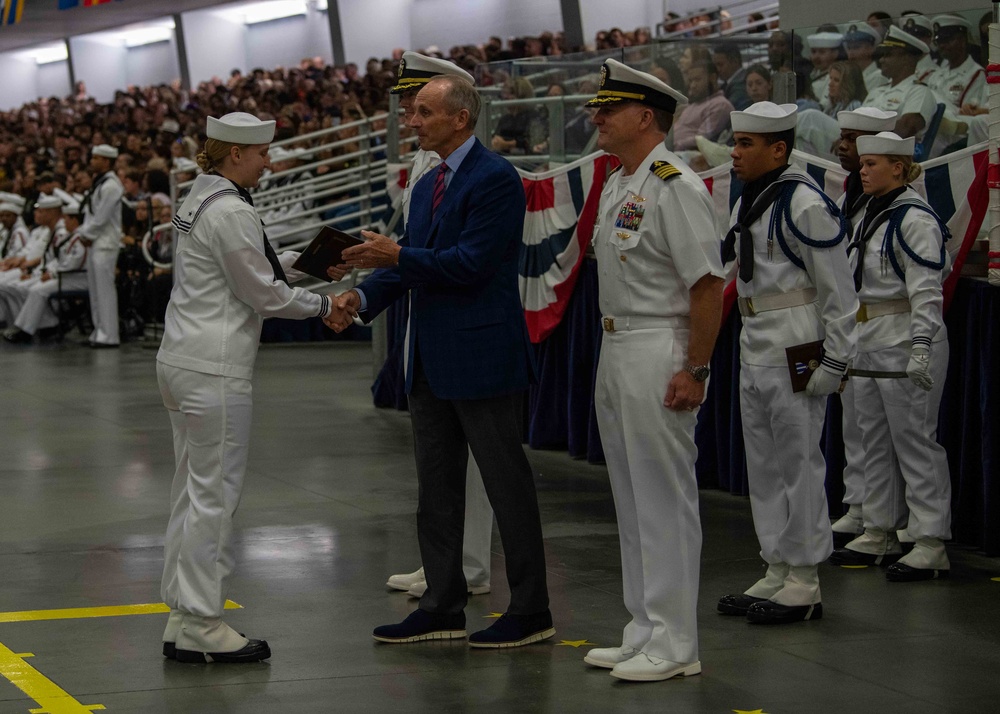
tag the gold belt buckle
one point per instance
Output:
(748, 309)
(862, 313)
(609, 324)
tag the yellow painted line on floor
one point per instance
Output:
(79, 613)
(51, 698)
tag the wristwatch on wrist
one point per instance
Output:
(700, 372)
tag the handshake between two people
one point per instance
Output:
(378, 251)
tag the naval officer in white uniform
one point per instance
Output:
(660, 276)
(415, 70)
(101, 232)
(795, 289)
(227, 279)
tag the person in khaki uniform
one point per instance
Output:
(660, 279)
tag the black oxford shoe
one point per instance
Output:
(736, 604)
(846, 556)
(252, 651)
(902, 573)
(771, 613)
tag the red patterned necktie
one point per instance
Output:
(438, 188)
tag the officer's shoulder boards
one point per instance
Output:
(664, 170)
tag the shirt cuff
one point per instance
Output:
(364, 300)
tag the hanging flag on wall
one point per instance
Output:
(11, 11)
(70, 4)
(562, 208)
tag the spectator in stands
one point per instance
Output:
(707, 114)
(693, 54)
(825, 48)
(784, 51)
(732, 75)
(513, 132)
(960, 78)
(860, 42)
(847, 88)
(758, 83)
(881, 21)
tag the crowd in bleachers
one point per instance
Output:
(44, 145)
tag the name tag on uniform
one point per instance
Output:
(630, 216)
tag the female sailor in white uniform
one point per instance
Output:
(899, 264)
(227, 279)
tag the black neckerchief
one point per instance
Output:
(272, 257)
(751, 192)
(85, 204)
(854, 196)
(876, 205)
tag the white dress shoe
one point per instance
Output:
(405, 581)
(643, 668)
(608, 657)
(420, 587)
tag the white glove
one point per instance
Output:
(919, 368)
(823, 382)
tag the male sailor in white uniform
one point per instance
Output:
(101, 232)
(795, 291)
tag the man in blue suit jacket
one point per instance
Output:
(471, 362)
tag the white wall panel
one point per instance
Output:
(101, 64)
(373, 28)
(215, 45)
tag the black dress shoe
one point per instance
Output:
(903, 573)
(170, 648)
(17, 337)
(252, 651)
(846, 556)
(736, 604)
(103, 346)
(421, 625)
(514, 631)
(771, 613)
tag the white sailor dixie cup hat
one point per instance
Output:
(901, 38)
(765, 118)
(47, 201)
(867, 119)
(14, 198)
(887, 143)
(71, 208)
(8, 207)
(621, 83)
(825, 40)
(105, 150)
(416, 70)
(240, 128)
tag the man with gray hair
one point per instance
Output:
(470, 362)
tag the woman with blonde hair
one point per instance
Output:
(227, 279)
(847, 89)
(900, 262)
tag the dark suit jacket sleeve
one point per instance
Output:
(382, 288)
(496, 210)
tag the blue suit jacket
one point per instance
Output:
(460, 267)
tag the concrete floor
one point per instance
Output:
(327, 514)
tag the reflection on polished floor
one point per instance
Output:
(327, 514)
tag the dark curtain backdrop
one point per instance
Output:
(560, 409)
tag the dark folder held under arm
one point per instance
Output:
(325, 251)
